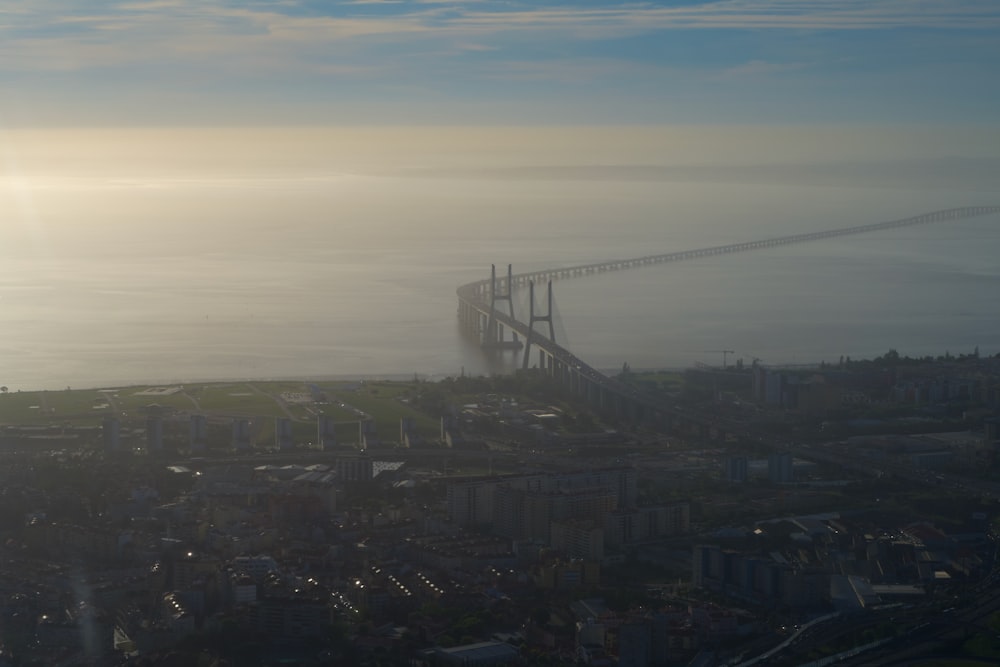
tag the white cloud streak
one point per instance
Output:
(746, 14)
(50, 36)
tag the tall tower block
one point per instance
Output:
(283, 434)
(199, 434)
(241, 435)
(326, 433)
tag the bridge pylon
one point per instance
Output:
(493, 335)
(532, 318)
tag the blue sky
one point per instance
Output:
(204, 62)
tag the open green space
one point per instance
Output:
(294, 397)
(238, 399)
(347, 403)
(278, 387)
(51, 406)
(67, 404)
(133, 399)
(338, 413)
(22, 407)
(382, 401)
(660, 380)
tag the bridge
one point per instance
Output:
(480, 317)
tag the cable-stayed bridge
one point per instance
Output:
(482, 314)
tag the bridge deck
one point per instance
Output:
(474, 296)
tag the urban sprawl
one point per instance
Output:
(844, 512)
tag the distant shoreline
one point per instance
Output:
(352, 377)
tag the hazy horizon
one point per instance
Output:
(223, 188)
(198, 254)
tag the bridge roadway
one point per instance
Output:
(606, 393)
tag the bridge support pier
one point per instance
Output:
(532, 318)
(478, 315)
(493, 332)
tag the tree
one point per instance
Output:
(3, 390)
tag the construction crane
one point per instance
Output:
(725, 355)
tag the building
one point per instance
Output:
(526, 505)
(569, 576)
(255, 567)
(734, 469)
(769, 387)
(779, 468)
(768, 581)
(290, 617)
(635, 643)
(198, 434)
(527, 515)
(326, 433)
(481, 654)
(242, 589)
(578, 539)
(522, 515)
(631, 526)
(189, 568)
(355, 469)
(283, 434)
(472, 502)
(241, 435)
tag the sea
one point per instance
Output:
(324, 271)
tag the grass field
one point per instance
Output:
(347, 403)
(131, 399)
(31, 407)
(660, 380)
(381, 401)
(238, 399)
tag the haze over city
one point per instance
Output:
(195, 176)
(497, 332)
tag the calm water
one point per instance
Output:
(355, 275)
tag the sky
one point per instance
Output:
(509, 62)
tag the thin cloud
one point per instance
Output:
(152, 5)
(742, 15)
(572, 71)
(54, 36)
(469, 46)
(760, 68)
